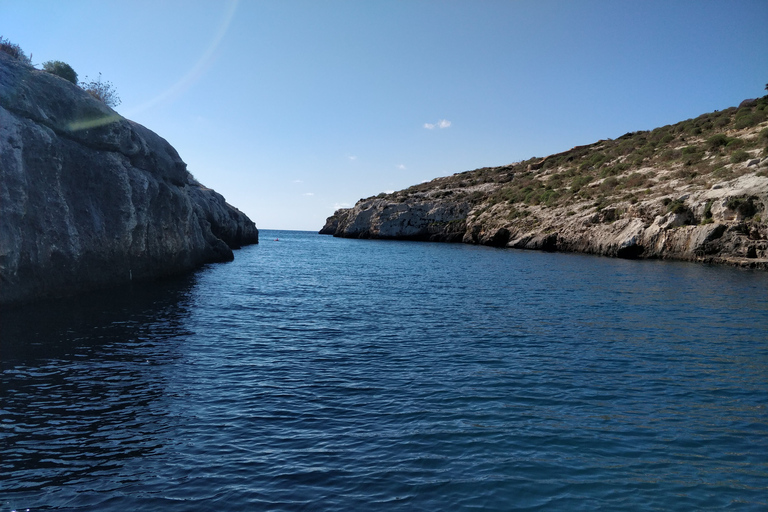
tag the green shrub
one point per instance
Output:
(717, 141)
(748, 120)
(102, 91)
(14, 51)
(689, 150)
(739, 156)
(62, 69)
(691, 155)
(745, 206)
(686, 173)
(722, 121)
(635, 180)
(549, 197)
(667, 138)
(614, 170)
(722, 173)
(670, 154)
(579, 182)
(676, 206)
(609, 183)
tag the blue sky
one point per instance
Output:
(291, 109)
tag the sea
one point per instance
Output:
(323, 374)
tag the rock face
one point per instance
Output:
(90, 199)
(410, 220)
(678, 192)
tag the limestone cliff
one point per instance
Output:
(89, 199)
(697, 191)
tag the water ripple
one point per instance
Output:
(328, 374)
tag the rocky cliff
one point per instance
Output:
(697, 191)
(89, 199)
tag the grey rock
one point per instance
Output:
(563, 203)
(89, 199)
(426, 219)
(643, 230)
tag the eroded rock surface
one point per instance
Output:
(90, 199)
(695, 191)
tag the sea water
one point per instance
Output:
(316, 373)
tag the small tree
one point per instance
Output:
(14, 51)
(62, 69)
(102, 91)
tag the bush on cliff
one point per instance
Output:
(743, 205)
(739, 156)
(14, 51)
(102, 91)
(676, 207)
(62, 69)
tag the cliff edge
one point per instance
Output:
(696, 191)
(90, 199)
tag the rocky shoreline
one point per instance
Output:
(695, 191)
(89, 199)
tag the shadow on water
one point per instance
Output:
(54, 328)
(83, 385)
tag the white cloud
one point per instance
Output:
(341, 205)
(298, 181)
(352, 157)
(308, 194)
(443, 123)
(389, 191)
(401, 167)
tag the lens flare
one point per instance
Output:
(198, 69)
(85, 124)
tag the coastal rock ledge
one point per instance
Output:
(89, 199)
(693, 191)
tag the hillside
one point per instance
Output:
(696, 190)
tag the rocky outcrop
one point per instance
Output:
(644, 230)
(410, 220)
(711, 207)
(90, 199)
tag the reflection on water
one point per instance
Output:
(83, 383)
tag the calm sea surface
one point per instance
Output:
(317, 373)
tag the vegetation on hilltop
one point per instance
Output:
(695, 190)
(62, 69)
(100, 89)
(697, 152)
(14, 51)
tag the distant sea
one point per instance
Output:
(323, 374)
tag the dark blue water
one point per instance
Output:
(317, 373)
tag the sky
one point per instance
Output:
(292, 109)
